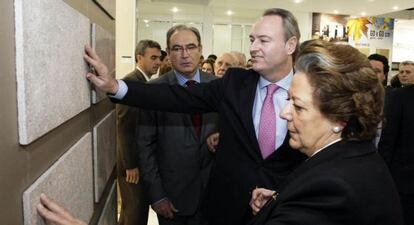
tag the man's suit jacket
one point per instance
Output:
(134, 209)
(238, 166)
(126, 122)
(346, 183)
(396, 143)
(174, 162)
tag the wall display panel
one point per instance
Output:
(51, 85)
(104, 152)
(108, 6)
(104, 44)
(108, 216)
(68, 181)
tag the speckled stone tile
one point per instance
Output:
(108, 216)
(68, 181)
(104, 44)
(51, 85)
(104, 152)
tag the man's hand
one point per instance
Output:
(132, 176)
(212, 141)
(165, 208)
(259, 198)
(54, 213)
(102, 79)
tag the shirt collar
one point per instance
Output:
(183, 79)
(283, 83)
(147, 78)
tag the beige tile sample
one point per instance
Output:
(68, 181)
(104, 44)
(108, 216)
(51, 85)
(104, 152)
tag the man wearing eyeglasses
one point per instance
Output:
(174, 158)
(248, 154)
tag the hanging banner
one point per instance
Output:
(372, 35)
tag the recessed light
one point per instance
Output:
(174, 10)
(298, 1)
(146, 21)
(363, 13)
(395, 7)
(229, 12)
(335, 11)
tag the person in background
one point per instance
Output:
(253, 149)
(335, 104)
(165, 63)
(241, 59)
(395, 82)
(406, 73)
(212, 57)
(208, 66)
(174, 159)
(224, 62)
(381, 67)
(134, 207)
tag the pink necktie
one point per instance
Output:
(267, 124)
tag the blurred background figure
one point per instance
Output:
(212, 57)
(406, 73)
(381, 67)
(208, 66)
(395, 82)
(241, 59)
(225, 61)
(165, 63)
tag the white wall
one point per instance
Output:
(125, 37)
(403, 47)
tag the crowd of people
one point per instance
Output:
(286, 137)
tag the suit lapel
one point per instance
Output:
(247, 95)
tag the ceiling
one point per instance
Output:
(248, 9)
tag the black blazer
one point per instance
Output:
(238, 166)
(174, 162)
(346, 183)
(396, 144)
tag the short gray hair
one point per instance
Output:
(144, 44)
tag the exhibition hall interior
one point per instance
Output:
(64, 137)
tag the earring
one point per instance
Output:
(336, 129)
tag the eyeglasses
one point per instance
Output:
(191, 48)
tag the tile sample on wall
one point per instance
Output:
(108, 216)
(103, 42)
(68, 181)
(51, 85)
(104, 152)
(108, 6)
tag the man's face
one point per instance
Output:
(222, 63)
(184, 52)
(150, 61)
(269, 51)
(406, 74)
(379, 69)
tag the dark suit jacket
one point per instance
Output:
(346, 183)
(126, 121)
(396, 145)
(174, 162)
(238, 166)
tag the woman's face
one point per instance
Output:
(207, 68)
(309, 130)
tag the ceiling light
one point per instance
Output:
(298, 1)
(395, 7)
(336, 11)
(363, 13)
(229, 12)
(174, 10)
(146, 21)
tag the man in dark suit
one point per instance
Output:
(396, 145)
(240, 164)
(174, 158)
(134, 208)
